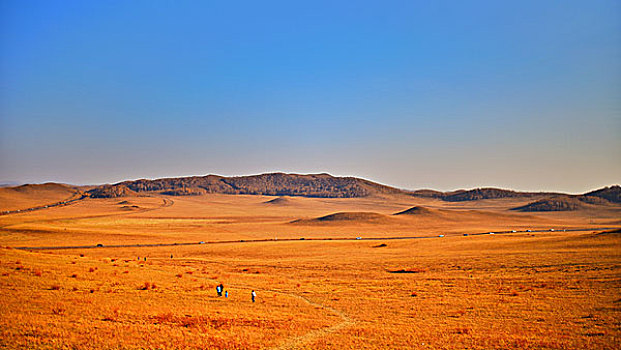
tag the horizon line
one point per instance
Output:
(8, 184)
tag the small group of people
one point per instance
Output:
(220, 290)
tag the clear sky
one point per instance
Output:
(415, 94)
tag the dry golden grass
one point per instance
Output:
(28, 196)
(552, 290)
(230, 217)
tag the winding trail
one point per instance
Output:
(297, 341)
(293, 342)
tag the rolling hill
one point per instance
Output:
(477, 194)
(312, 185)
(279, 201)
(274, 184)
(27, 196)
(611, 194)
(347, 217)
(417, 211)
(552, 204)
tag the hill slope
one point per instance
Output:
(279, 201)
(27, 196)
(111, 191)
(417, 211)
(276, 184)
(551, 204)
(318, 185)
(346, 218)
(484, 193)
(611, 194)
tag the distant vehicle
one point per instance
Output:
(358, 237)
(201, 242)
(551, 230)
(465, 234)
(301, 239)
(440, 235)
(529, 231)
(100, 245)
(491, 233)
(514, 231)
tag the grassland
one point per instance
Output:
(29, 196)
(552, 290)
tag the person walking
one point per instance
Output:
(219, 290)
(226, 294)
(254, 295)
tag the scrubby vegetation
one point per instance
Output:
(277, 184)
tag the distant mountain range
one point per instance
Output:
(328, 186)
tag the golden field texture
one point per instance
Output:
(532, 290)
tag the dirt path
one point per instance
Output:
(295, 341)
(298, 341)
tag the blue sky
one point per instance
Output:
(443, 94)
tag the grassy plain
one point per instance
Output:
(550, 290)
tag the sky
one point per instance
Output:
(523, 95)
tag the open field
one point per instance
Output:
(280, 175)
(548, 290)
(236, 217)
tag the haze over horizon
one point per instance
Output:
(524, 96)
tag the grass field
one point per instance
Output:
(548, 290)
